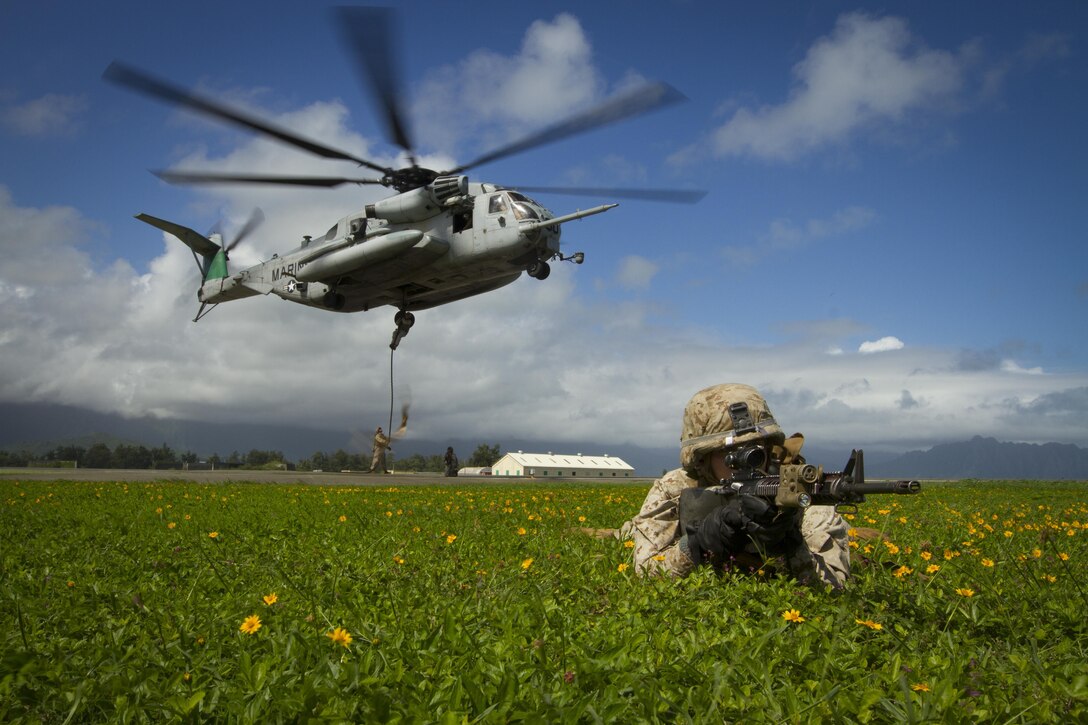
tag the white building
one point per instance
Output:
(548, 465)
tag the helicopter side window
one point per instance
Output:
(497, 204)
(462, 221)
(331, 234)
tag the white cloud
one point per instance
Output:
(884, 344)
(636, 272)
(497, 98)
(783, 235)
(867, 71)
(53, 114)
(1010, 366)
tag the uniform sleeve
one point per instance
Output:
(825, 535)
(656, 529)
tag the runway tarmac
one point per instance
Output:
(291, 477)
(227, 475)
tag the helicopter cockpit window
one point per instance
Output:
(523, 208)
(497, 204)
(331, 234)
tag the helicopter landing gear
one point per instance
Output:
(539, 270)
(404, 320)
(334, 300)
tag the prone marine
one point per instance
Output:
(674, 533)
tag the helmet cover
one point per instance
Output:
(723, 416)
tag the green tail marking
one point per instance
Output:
(217, 267)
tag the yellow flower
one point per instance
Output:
(389, 514)
(270, 599)
(659, 557)
(521, 531)
(920, 687)
(876, 626)
(398, 559)
(251, 624)
(1063, 556)
(965, 592)
(340, 636)
(792, 615)
(171, 525)
(71, 583)
(628, 544)
(622, 567)
(581, 519)
(933, 568)
(902, 571)
(343, 518)
(527, 563)
(892, 548)
(213, 535)
(451, 538)
(1050, 578)
(926, 556)
(988, 563)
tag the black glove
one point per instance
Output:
(714, 526)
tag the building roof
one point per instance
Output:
(563, 460)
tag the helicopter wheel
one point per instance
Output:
(404, 319)
(539, 270)
(333, 300)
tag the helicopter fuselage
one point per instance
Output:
(416, 250)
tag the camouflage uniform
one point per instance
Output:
(708, 427)
(381, 442)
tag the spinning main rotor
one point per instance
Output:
(366, 33)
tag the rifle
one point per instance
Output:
(800, 485)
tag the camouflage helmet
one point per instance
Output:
(722, 416)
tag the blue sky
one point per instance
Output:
(890, 247)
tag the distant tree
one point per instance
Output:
(189, 458)
(318, 461)
(340, 460)
(257, 458)
(98, 456)
(13, 459)
(485, 455)
(67, 453)
(125, 456)
(215, 460)
(164, 457)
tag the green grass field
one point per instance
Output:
(247, 602)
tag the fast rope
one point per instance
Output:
(390, 428)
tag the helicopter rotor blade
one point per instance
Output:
(366, 32)
(187, 177)
(254, 221)
(143, 83)
(641, 100)
(675, 196)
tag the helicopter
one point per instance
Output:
(440, 238)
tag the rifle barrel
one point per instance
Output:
(901, 487)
